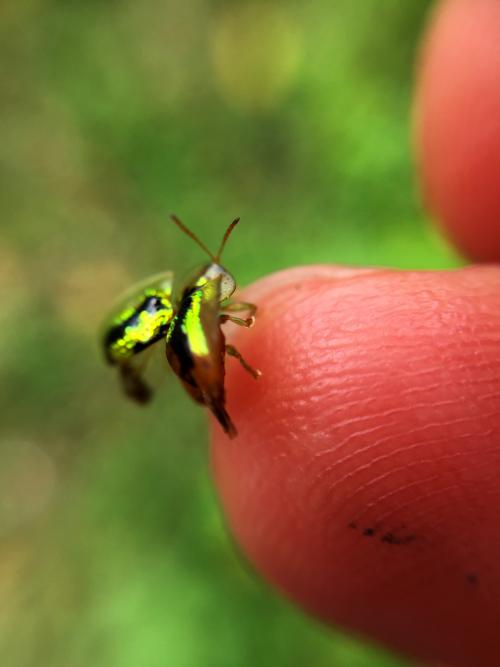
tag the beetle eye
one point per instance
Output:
(227, 286)
(227, 282)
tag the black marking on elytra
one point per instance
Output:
(472, 578)
(369, 532)
(178, 340)
(353, 525)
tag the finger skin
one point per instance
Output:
(457, 124)
(365, 480)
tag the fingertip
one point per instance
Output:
(355, 484)
(298, 275)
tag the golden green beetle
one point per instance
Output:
(190, 326)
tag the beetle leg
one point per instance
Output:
(236, 306)
(233, 352)
(133, 383)
(248, 322)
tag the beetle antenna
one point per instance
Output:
(191, 234)
(225, 238)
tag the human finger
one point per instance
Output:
(365, 481)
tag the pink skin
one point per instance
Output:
(365, 482)
(457, 124)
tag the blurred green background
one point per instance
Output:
(294, 116)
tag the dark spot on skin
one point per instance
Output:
(472, 579)
(391, 538)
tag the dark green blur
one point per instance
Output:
(294, 116)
